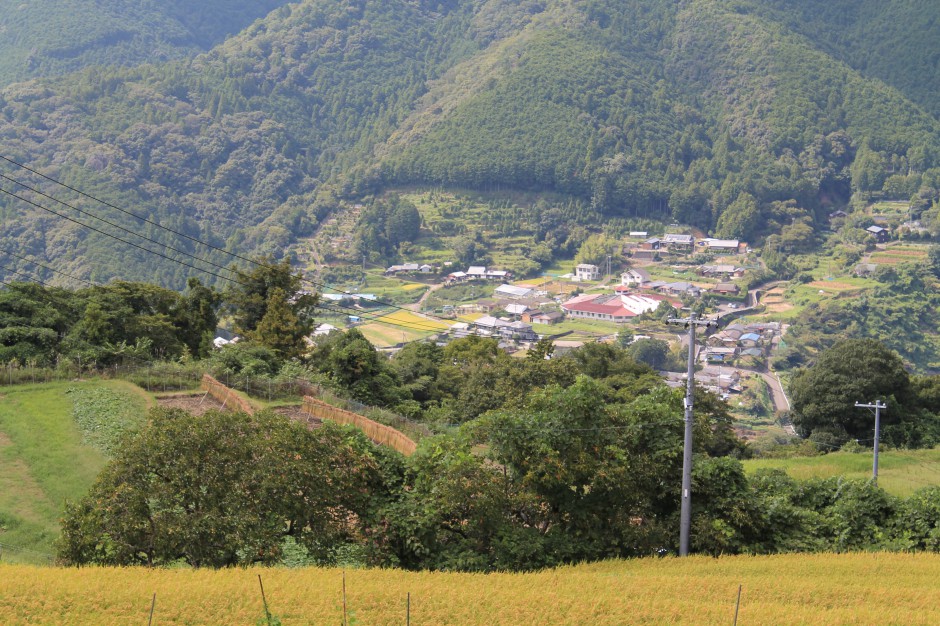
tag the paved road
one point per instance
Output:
(777, 395)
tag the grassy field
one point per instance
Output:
(45, 460)
(900, 472)
(790, 589)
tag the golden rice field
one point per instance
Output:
(413, 321)
(398, 327)
(825, 589)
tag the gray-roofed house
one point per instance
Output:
(513, 292)
(880, 233)
(675, 240)
(635, 276)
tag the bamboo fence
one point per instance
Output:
(379, 433)
(228, 397)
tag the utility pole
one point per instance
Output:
(877, 405)
(685, 513)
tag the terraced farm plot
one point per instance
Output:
(896, 256)
(823, 589)
(837, 286)
(775, 302)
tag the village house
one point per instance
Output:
(749, 340)
(402, 269)
(722, 246)
(716, 378)
(516, 309)
(653, 243)
(726, 289)
(881, 234)
(409, 268)
(540, 317)
(513, 292)
(680, 289)
(675, 241)
(494, 327)
(720, 354)
(586, 271)
(634, 276)
(721, 271)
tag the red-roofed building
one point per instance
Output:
(600, 307)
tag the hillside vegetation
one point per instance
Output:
(870, 588)
(725, 116)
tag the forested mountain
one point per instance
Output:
(49, 37)
(896, 41)
(742, 118)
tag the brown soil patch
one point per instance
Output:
(832, 284)
(778, 307)
(295, 413)
(5, 440)
(196, 404)
(895, 252)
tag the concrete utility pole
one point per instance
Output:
(877, 405)
(685, 513)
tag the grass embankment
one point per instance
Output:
(900, 472)
(46, 458)
(788, 589)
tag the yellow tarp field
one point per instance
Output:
(820, 589)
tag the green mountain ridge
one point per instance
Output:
(51, 37)
(633, 109)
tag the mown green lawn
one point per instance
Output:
(900, 472)
(44, 462)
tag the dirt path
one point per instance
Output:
(417, 305)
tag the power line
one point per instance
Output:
(166, 228)
(110, 223)
(29, 278)
(321, 286)
(106, 234)
(13, 254)
(417, 326)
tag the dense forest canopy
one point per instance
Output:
(742, 118)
